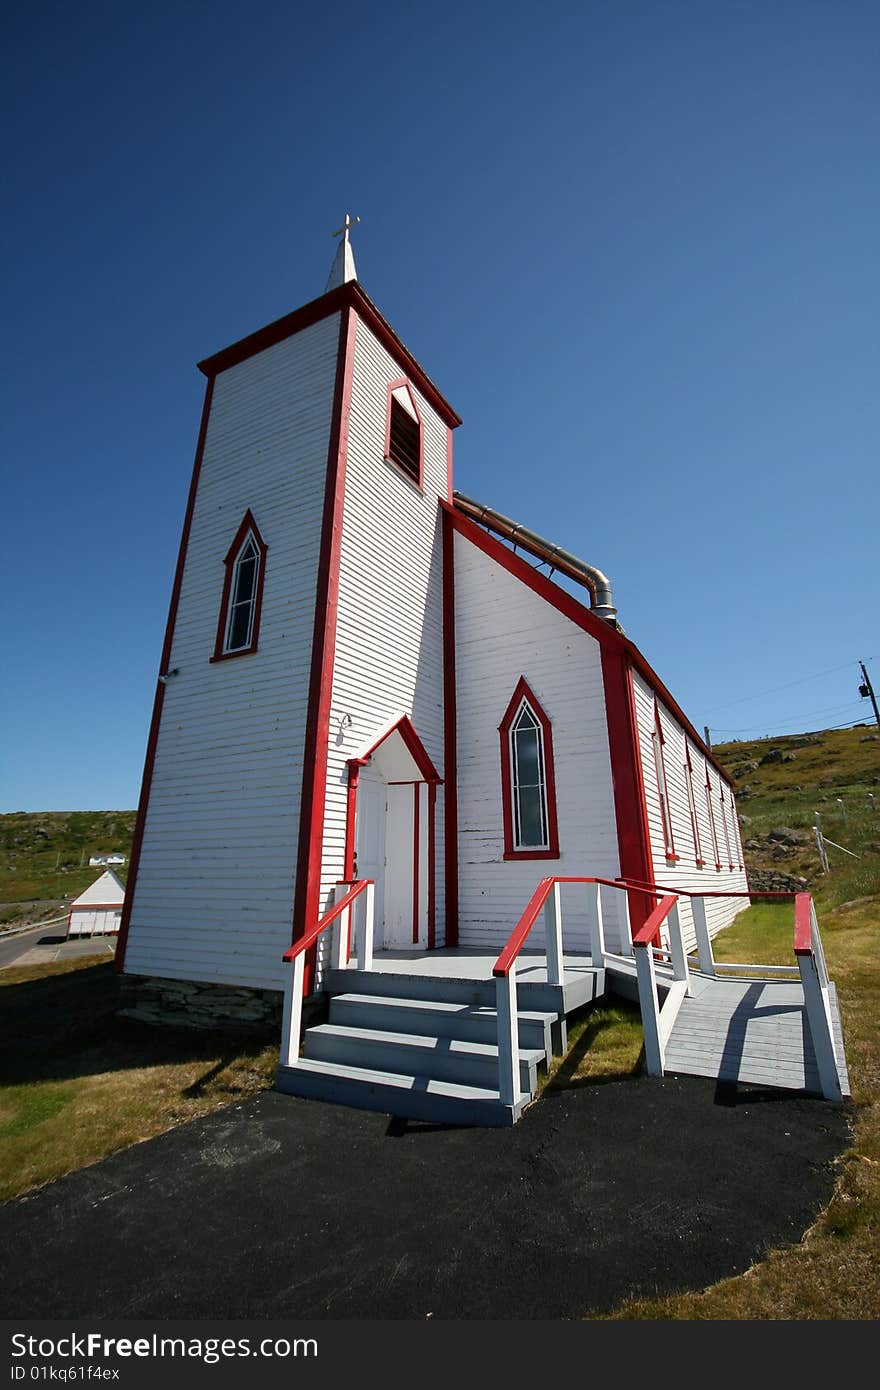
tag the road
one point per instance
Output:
(48, 944)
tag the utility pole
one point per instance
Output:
(866, 690)
(706, 732)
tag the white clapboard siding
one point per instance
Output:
(685, 873)
(86, 921)
(389, 636)
(503, 630)
(214, 895)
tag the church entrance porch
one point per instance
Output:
(391, 836)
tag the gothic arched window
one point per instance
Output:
(527, 779)
(238, 627)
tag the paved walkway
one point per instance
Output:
(280, 1207)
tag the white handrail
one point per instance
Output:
(295, 957)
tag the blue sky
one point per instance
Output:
(635, 245)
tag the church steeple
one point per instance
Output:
(343, 268)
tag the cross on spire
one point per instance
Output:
(343, 268)
(346, 227)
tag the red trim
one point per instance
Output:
(518, 936)
(645, 934)
(307, 941)
(565, 603)
(522, 692)
(662, 785)
(650, 932)
(349, 296)
(726, 829)
(449, 488)
(417, 750)
(450, 735)
(630, 806)
(692, 806)
(432, 865)
(354, 772)
(712, 820)
(392, 387)
(159, 698)
(803, 925)
(96, 907)
(737, 830)
(306, 905)
(416, 808)
(248, 527)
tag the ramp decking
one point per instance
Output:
(750, 1030)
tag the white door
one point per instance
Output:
(399, 868)
(372, 806)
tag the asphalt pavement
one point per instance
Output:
(43, 945)
(280, 1207)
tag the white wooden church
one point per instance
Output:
(369, 678)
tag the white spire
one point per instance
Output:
(343, 267)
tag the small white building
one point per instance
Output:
(97, 911)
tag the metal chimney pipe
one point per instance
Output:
(599, 586)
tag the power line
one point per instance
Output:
(802, 680)
(850, 724)
(790, 719)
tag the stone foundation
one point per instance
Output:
(772, 881)
(195, 1004)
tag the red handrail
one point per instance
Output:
(803, 918)
(517, 937)
(655, 921)
(803, 924)
(329, 917)
(640, 886)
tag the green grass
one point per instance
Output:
(25, 1108)
(605, 1044)
(41, 851)
(77, 1082)
(762, 935)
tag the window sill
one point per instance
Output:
(230, 656)
(672, 857)
(417, 486)
(701, 863)
(531, 854)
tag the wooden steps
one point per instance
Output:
(419, 1047)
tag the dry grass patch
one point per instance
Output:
(78, 1083)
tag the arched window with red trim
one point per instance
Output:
(405, 432)
(692, 806)
(238, 627)
(727, 839)
(659, 740)
(528, 780)
(712, 819)
(737, 833)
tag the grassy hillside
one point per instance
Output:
(44, 857)
(783, 782)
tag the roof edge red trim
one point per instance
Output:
(568, 605)
(414, 746)
(349, 295)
